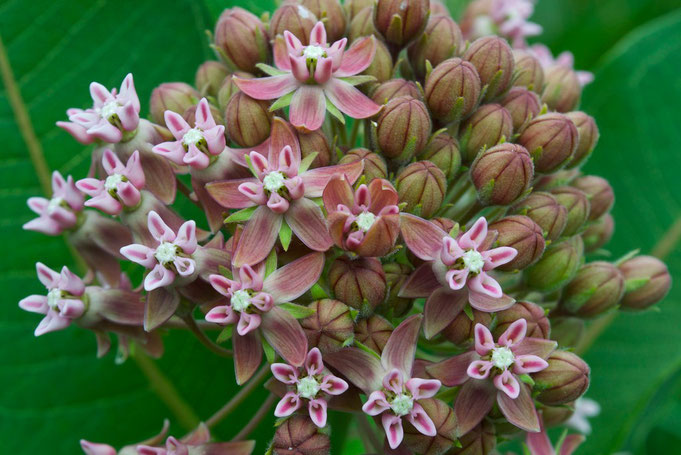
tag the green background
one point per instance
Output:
(54, 391)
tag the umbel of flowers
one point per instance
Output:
(393, 226)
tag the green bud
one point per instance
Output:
(600, 194)
(481, 440)
(528, 70)
(353, 7)
(557, 266)
(210, 76)
(422, 184)
(522, 104)
(577, 205)
(242, 40)
(523, 234)
(538, 325)
(331, 13)
(557, 415)
(395, 88)
(588, 137)
(564, 380)
(356, 281)
(374, 164)
(502, 174)
(493, 58)
(441, 40)
(647, 281)
(443, 151)
(544, 209)
(315, 142)
(489, 125)
(248, 120)
(551, 139)
(401, 22)
(362, 24)
(562, 89)
(598, 233)
(382, 65)
(229, 88)
(567, 331)
(395, 276)
(403, 128)
(596, 288)
(452, 90)
(172, 96)
(295, 18)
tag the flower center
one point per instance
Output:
(273, 181)
(308, 387)
(502, 357)
(166, 253)
(192, 137)
(313, 52)
(240, 300)
(402, 404)
(108, 110)
(365, 220)
(112, 181)
(53, 298)
(54, 204)
(474, 261)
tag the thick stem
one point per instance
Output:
(256, 419)
(203, 338)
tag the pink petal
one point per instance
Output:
(293, 44)
(499, 256)
(421, 421)
(248, 323)
(223, 285)
(333, 385)
(250, 279)
(313, 362)
(514, 334)
(475, 236)
(173, 151)
(69, 282)
(441, 308)
(349, 100)
(134, 171)
(184, 266)
(452, 371)
(308, 108)
(34, 304)
(215, 139)
(128, 194)
(485, 284)
(376, 404)
(100, 95)
(484, 341)
(507, 383)
(258, 237)
(159, 229)
(158, 277)
(315, 180)
(336, 51)
(48, 277)
(140, 254)
(204, 118)
(284, 373)
(392, 425)
(323, 70)
(394, 381)
(287, 405)
(338, 191)
(484, 302)
(525, 364)
(456, 279)
(247, 355)
(298, 64)
(474, 401)
(39, 204)
(283, 332)
(78, 132)
(520, 411)
(222, 315)
(294, 279)
(358, 57)
(479, 369)
(364, 370)
(267, 88)
(176, 124)
(91, 448)
(51, 323)
(318, 35)
(535, 346)
(423, 388)
(539, 443)
(186, 237)
(229, 193)
(255, 191)
(278, 204)
(280, 51)
(195, 158)
(422, 237)
(401, 346)
(111, 163)
(307, 222)
(570, 443)
(317, 410)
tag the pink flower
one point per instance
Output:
(282, 191)
(63, 301)
(253, 301)
(566, 59)
(59, 213)
(193, 146)
(112, 114)
(316, 77)
(120, 189)
(512, 16)
(393, 393)
(367, 221)
(312, 383)
(511, 356)
(172, 255)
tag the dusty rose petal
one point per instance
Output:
(452, 371)
(422, 237)
(520, 411)
(401, 346)
(441, 308)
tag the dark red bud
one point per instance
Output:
(374, 164)
(241, 39)
(588, 137)
(489, 125)
(444, 420)
(400, 21)
(538, 325)
(598, 233)
(315, 141)
(356, 281)
(373, 332)
(396, 88)
(461, 330)
(295, 18)
(522, 104)
(297, 435)
(395, 276)
(330, 325)
(481, 440)
(544, 209)
(333, 15)
(441, 40)
(229, 88)
(404, 127)
(172, 96)
(452, 90)
(551, 139)
(523, 234)
(209, 77)
(248, 120)
(600, 194)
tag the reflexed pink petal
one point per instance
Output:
(254, 191)
(484, 341)
(195, 158)
(349, 100)
(364, 370)
(70, 308)
(51, 323)
(287, 405)
(105, 203)
(284, 373)
(128, 194)
(159, 229)
(479, 369)
(91, 448)
(43, 225)
(258, 237)
(100, 95)
(282, 135)
(134, 171)
(570, 443)
(423, 388)
(520, 411)
(313, 362)
(228, 193)
(215, 139)
(318, 35)
(376, 404)
(308, 224)
(392, 425)
(248, 323)
(222, 315)
(39, 204)
(323, 71)
(452, 371)
(260, 163)
(158, 277)
(250, 279)
(315, 180)
(283, 332)
(514, 334)
(247, 355)
(78, 132)
(535, 346)
(507, 383)
(294, 279)
(308, 108)
(176, 124)
(529, 364)
(401, 346)
(358, 57)
(336, 51)
(441, 308)
(317, 410)
(111, 163)
(288, 164)
(278, 204)
(293, 44)
(174, 151)
(267, 88)
(128, 116)
(160, 305)
(475, 236)
(475, 400)
(280, 51)
(34, 304)
(128, 92)
(69, 282)
(484, 302)
(421, 283)
(421, 421)
(485, 284)
(140, 254)
(223, 285)
(422, 237)
(204, 118)
(499, 256)
(333, 385)
(539, 443)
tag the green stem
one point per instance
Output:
(203, 338)
(256, 419)
(354, 132)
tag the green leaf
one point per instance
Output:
(306, 162)
(318, 292)
(270, 70)
(298, 311)
(285, 235)
(241, 216)
(270, 263)
(358, 80)
(333, 110)
(270, 354)
(226, 334)
(282, 102)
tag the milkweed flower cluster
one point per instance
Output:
(392, 219)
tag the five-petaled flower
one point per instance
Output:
(315, 78)
(313, 383)
(171, 256)
(112, 114)
(193, 146)
(58, 213)
(120, 189)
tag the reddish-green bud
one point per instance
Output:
(382, 65)
(551, 139)
(523, 234)
(502, 174)
(588, 137)
(647, 281)
(564, 380)
(295, 18)
(374, 164)
(598, 233)
(172, 96)
(557, 266)
(422, 184)
(353, 7)
(600, 194)
(522, 104)
(401, 21)
(441, 40)
(330, 325)
(395, 88)
(443, 419)
(461, 330)
(362, 24)
(358, 281)
(528, 70)
(331, 13)
(493, 58)
(229, 88)
(488, 126)
(562, 89)
(550, 181)
(554, 416)
(578, 208)
(452, 90)
(404, 127)
(544, 209)
(210, 76)
(373, 332)
(190, 114)
(538, 325)
(297, 435)
(481, 440)
(395, 276)
(437, 7)
(567, 331)
(248, 120)
(315, 141)
(242, 40)
(443, 151)
(597, 287)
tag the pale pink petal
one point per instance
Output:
(288, 164)
(539, 443)
(195, 158)
(260, 163)
(159, 229)
(421, 283)
(204, 118)
(514, 334)
(479, 369)
(39, 204)
(475, 236)
(525, 364)
(128, 116)
(222, 315)
(442, 306)
(535, 346)
(281, 52)
(51, 323)
(315, 180)
(250, 279)
(317, 410)
(498, 256)
(507, 383)
(394, 381)
(247, 323)
(298, 64)
(176, 124)
(92, 448)
(333, 385)
(223, 285)
(229, 193)
(323, 70)
(70, 308)
(423, 388)
(457, 278)
(287, 405)
(34, 304)
(570, 443)
(293, 44)
(483, 302)
(313, 362)
(376, 404)
(247, 355)
(184, 266)
(215, 139)
(336, 51)
(484, 342)
(134, 171)
(48, 277)
(158, 277)
(485, 284)
(357, 58)
(392, 425)
(318, 35)
(284, 373)
(128, 194)
(254, 191)
(174, 151)
(100, 95)
(258, 237)
(349, 100)
(78, 132)
(69, 282)
(186, 237)
(421, 421)
(422, 237)
(307, 222)
(267, 88)
(308, 108)
(111, 163)
(140, 254)
(401, 346)
(294, 279)
(277, 203)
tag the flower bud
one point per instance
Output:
(647, 281)
(577, 205)
(452, 90)
(422, 184)
(332, 13)
(502, 174)
(172, 96)
(522, 104)
(248, 120)
(461, 330)
(374, 164)
(354, 7)
(362, 24)
(373, 332)
(551, 139)
(523, 234)
(298, 435)
(528, 70)
(567, 331)
(209, 77)
(229, 88)
(562, 89)
(588, 136)
(488, 126)
(358, 281)
(443, 419)
(395, 276)
(437, 7)
(600, 194)
(395, 88)
(557, 266)
(242, 40)
(554, 416)
(443, 151)
(598, 233)
(597, 287)
(441, 40)
(329, 326)
(403, 128)
(481, 440)
(493, 58)
(189, 115)
(550, 181)
(382, 65)
(564, 380)
(295, 18)
(315, 141)
(544, 209)
(400, 22)
(538, 325)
